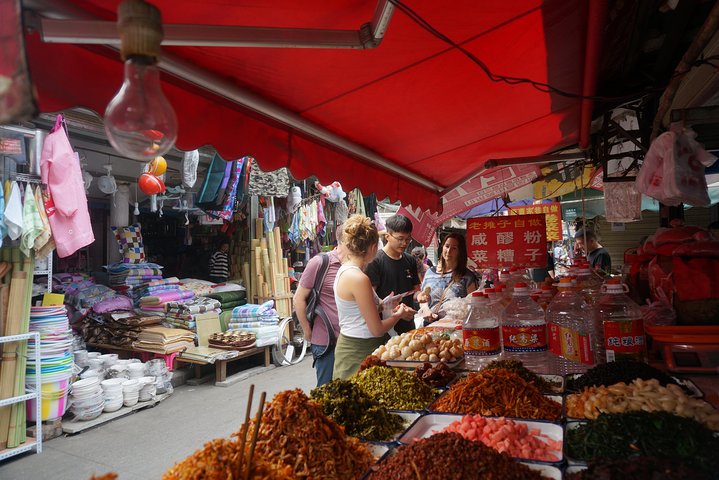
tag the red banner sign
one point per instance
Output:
(552, 216)
(492, 183)
(507, 241)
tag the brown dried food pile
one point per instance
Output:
(518, 367)
(497, 393)
(295, 432)
(449, 456)
(639, 467)
(438, 376)
(107, 476)
(219, 459)
(371, 361)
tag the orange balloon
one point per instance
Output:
(157, 166)
(150, 184)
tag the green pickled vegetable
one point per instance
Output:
(362, 417)
(395, 388)
(633, 434)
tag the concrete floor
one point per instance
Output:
(144, 444)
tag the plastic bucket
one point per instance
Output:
(54, 401)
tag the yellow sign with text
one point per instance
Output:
(552, 216)
(556, 184)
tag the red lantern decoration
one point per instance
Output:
(150, 184)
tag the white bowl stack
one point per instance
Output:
(131, 391)
(81, 358)
(108, 359)
(87, 399)
(112, 391)
(137, 370)
(148, 390)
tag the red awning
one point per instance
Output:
(413, 100)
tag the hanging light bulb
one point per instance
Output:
(139, 121)
(136, 212)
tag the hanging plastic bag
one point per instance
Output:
(189, 168)
(673, 168)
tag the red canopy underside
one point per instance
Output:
(414, 100)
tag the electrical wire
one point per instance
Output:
(496, 78)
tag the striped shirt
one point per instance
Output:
(220, 265)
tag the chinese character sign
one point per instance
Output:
(507, 241)
(552, 215)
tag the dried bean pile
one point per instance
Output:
(646, 395)
(497, 393)
(295, 432)
(394, 388)
(638, 468)
(436, 376)
(449, 456)
(614, 372)
(362, 417)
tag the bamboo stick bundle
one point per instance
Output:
(278, 244)
(266, 264)
(245, 277)
(18, 432)
(9, 368)
(258, 228)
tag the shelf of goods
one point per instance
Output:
(30, 443)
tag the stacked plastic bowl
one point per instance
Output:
(56, 360)
(87, 400)
(131, 392)
(137, 370)
(148, 389)
(113, 394)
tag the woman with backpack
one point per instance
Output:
(362, 329)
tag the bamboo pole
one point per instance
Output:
(8, 370)
(259, 228)
(278, 244)
(245, 276)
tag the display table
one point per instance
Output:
(144, 355)
(221, 365)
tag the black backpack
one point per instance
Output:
(314, 309)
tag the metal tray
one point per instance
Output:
(547, 471)
(571, 461)
(427, 425)
(412, 364)
(694, 390)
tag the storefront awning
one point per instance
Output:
(415, 101)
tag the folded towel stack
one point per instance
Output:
(164, 340)
(260, 319)
(182, 314)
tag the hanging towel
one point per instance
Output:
(66, 207)
(13, 213)
(213, 180)
(44, 243)
(32, 223)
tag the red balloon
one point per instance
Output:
(150, 184)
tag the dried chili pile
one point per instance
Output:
(220, 459)
(449, 456)
(497, 393)
(395, 388)
(295, 432)
(518, 367)
(639, 467)
(362, 417)
(371, 361)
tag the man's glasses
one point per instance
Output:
(404, 240)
